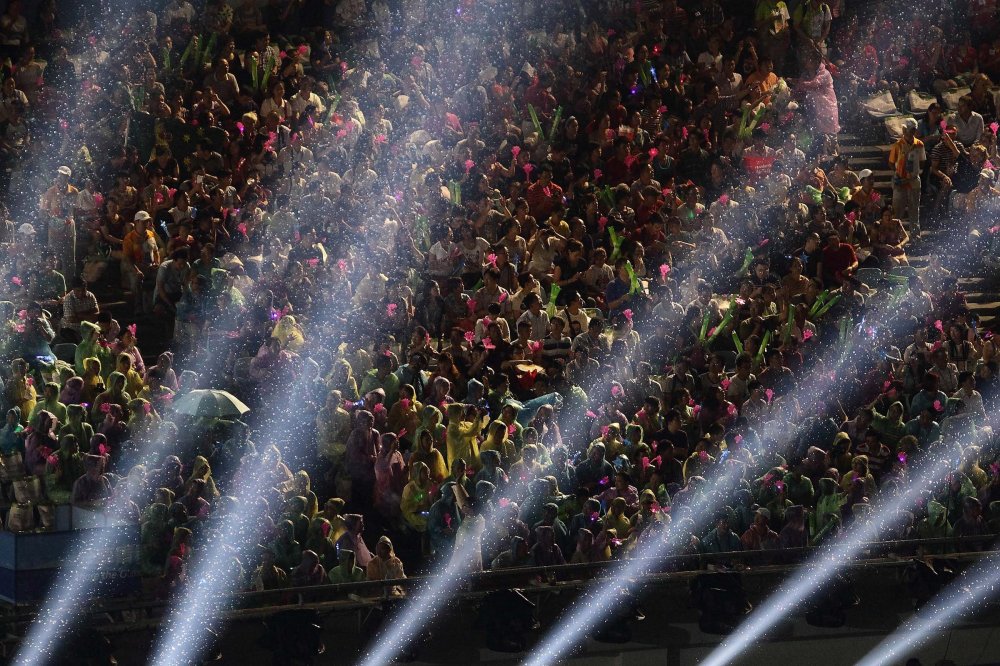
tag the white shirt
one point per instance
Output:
(299, 103)
(178, 10)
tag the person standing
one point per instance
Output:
(907, 157)
(57, 204)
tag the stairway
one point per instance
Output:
(982, 294)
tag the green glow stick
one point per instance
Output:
(633, 278)
(704, 326)
(254, 72)
(555, 123)
(553, 295)
(535, 122)
(747, 260)
(788, 326)
(187, 51)
(763, 346)
(823, 295)
(737, 343)
(616, 243)
(826, 308)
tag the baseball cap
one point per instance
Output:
(865, 173)
(987, 174)
(65, 171)
(141, 215)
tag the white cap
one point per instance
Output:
(141, 215)
(987, 174)
(26, 229)
(65, 171)
(910, 123)
(864, 173)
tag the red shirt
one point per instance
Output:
(542, 199)
(836, 261)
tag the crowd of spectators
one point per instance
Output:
(526, 274)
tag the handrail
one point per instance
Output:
(569, 575)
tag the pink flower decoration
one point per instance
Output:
(737, 439)
(602, 222)
(132, 328)
(936, 345)
(502, 297)
(616, 390)
(703, 455)
(605, 430)
(511, 429)
(381, 138)
(241, 127)
(598, 174)
(402, 431)
(488, 344)
(696, 410)
(342, 266)
(341, 133)
(627, 314)
(664, 270)
(405, 403)
(591, 414)
(994, 126)
(515, 151)
(471, 304)
(528, 168)
(29, 381)
(19, 328)
(16, 281)
(653, 152)
(645, 462)
(725, 384)
(242, 228)
(937, 406)
(106, 407)
(724, 199)
(53, 460)
(731, 409)
(876, 196)
(302, 50)
(770, 395)
(684, 133)
(806, 334)
(468, 165)
(469, 336)
(886, 385)
(147, 407)
(536, 346)
(343, 65)
(390, 309)
(943, 124)
(491, 259)
(902, 457)
(22, 314)
(313, 263)
(663, 108)
(504, 502)
(939, 326)
(447, 519)
(605, 480)
(765, 127)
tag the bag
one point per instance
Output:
(11, 467)
(29, 490)
(21, 518)
(47, 516)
